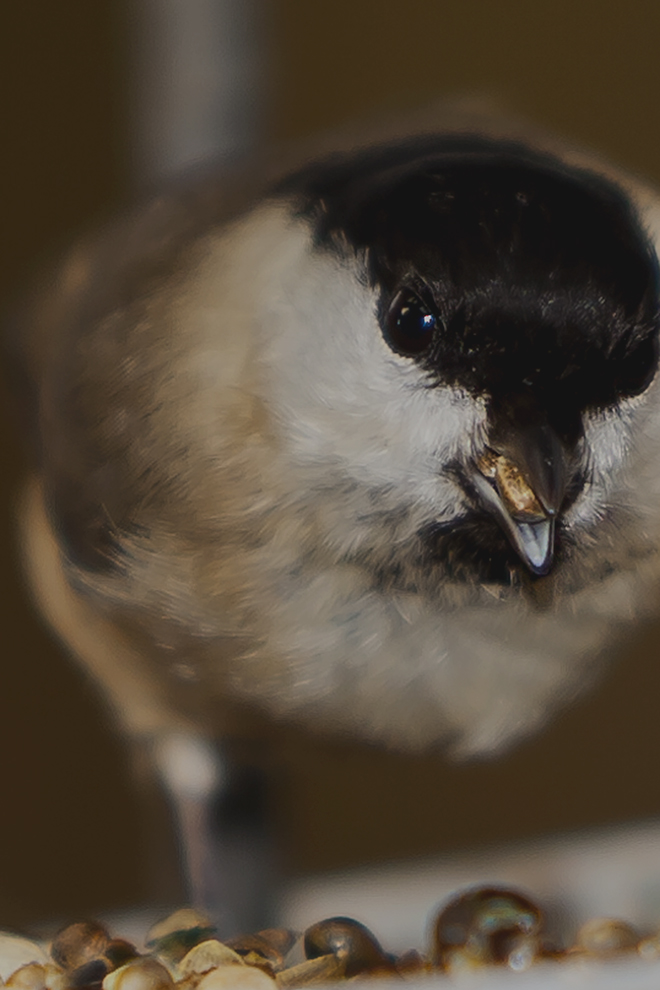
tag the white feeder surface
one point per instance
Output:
(611, 873)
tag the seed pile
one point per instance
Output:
(476, 928)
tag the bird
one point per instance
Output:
(370, 445)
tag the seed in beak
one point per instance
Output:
(516, 494)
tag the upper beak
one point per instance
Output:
(522, 481)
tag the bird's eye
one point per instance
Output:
(410, 323)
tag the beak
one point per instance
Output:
(521, 479)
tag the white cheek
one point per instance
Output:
(344, 399)
(612, 443)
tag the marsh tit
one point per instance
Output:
(374, 449)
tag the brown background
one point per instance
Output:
(70, 840)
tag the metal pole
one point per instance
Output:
(198, 82)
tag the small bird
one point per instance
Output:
(373, 447)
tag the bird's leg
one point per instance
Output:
(225, 844)
(192, 772)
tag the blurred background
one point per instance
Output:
(98, 100)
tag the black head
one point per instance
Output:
(499, 269)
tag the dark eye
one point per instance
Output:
(410, 323)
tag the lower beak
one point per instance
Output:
(522, 482)
(532, 540)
